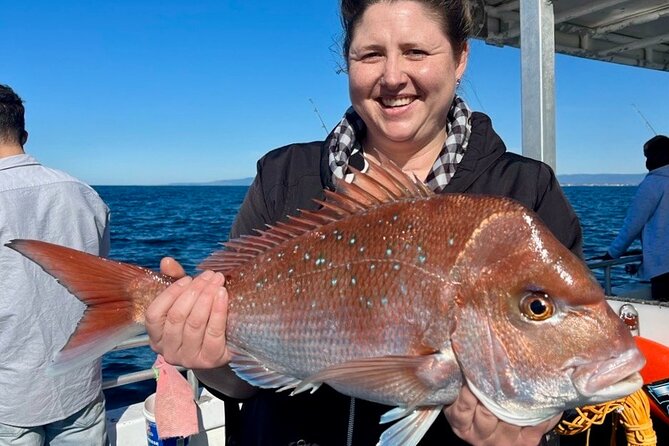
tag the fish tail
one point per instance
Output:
(111, 291)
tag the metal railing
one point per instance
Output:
(130, 378)
(607, 266)
(143, 375)
(143, 340)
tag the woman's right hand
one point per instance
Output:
(186, 323)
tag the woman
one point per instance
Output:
(405, 60)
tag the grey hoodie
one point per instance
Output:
(648, 218)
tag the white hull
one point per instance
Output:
(653, 316)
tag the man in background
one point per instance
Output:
(37, 315)
(648, 219)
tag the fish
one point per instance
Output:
(393, 294)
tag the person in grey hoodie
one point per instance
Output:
(648, 218)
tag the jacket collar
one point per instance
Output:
(485, 147)
(661, 171)
(22, 160)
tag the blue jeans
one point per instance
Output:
(85, 427)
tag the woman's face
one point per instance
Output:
(402, 74)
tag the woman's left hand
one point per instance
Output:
(475, 424)
(186, 323)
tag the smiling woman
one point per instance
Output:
(403, 72)
(405, 58)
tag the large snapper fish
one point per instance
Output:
(392, 294)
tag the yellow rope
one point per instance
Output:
(633, 412)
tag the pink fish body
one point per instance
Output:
(395, 295)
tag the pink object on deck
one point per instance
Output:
(175, 410)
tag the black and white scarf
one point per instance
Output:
(344, 144)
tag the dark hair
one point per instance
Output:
(656, 151)
(12, 119)
(454, 15)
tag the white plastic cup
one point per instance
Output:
(152, 438)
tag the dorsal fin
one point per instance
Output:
(383, 182)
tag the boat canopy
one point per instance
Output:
(630, 32)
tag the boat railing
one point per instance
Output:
(142, 375)
(607, 266)
(143, 340)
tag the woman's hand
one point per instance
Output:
(475, 424)
(186, 322)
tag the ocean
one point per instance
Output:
(189, 222)
(149, 223)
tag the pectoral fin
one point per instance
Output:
(410, 429)
(413, 377)
(255, 373)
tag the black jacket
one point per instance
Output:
(289, 178)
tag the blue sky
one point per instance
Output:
(154, 92)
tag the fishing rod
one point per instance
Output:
(319, 116)
(644, 119)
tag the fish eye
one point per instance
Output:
(537, 306)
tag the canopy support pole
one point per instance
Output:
(537, 45)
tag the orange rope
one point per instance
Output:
(633, 412)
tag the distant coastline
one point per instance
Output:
(601, 179)
(578, 179)
(238, 182)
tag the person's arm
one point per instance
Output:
(105, 241)
(556, 212)
(644, 204)
(254, 212)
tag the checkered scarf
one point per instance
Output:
(344, 144)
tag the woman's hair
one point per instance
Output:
(454, 15)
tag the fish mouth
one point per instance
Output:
(609, 379)
(622, 388)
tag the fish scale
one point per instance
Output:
(395, 295)
(361, 263)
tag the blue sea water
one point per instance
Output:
(149, 223)
(189, 222)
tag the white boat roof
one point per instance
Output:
(630, 32)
